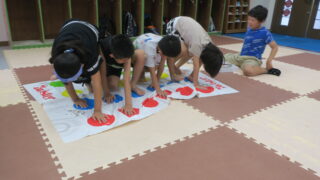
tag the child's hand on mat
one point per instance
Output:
(80, 102)
(109, 98)
(161, 93)
(128, 110)
(99, 116)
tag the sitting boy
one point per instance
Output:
(255, 41)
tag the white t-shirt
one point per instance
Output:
(193, 34)
(148, 43)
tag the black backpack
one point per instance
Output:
(129, 25)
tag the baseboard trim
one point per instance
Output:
(4, 43)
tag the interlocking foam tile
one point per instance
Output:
(34, 74)
(315, 95)
(10, 92)
(292, 129)
(27, 57)
(23, 152)
(218, 154)
(283, 51)
(308, 60)
(173, 123)
(252, 96)
(221, 40)
(29, 75)
(293, 78)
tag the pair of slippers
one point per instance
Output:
(274, 71)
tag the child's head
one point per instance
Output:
(68, 59)
(212, 59)
(170, 46)
(257, 16)
(121, 48)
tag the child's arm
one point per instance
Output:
(171, 67)
(97, 92)
(161, 68)
(108, 97)
(155, 82)
(170, 62)
(75, 98)
(127, 89)
(274, 49)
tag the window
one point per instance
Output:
(286, 12)
(317, 20)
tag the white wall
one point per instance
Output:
(3, 23)
(269, 4)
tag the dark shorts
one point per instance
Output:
(111, 71)
(83, 80)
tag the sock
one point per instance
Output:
(274, 71)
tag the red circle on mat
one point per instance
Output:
(109, 120)
(150, 102)
(185, 91)
(208, 89)
(168, 92)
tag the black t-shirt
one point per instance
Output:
(106, 50)
(89, 36)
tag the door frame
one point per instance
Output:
(310, 32)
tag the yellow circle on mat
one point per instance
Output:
(66, 94)
(164, 75)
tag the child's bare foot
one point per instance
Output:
(137, 90)
(53, 77)
(178, 71)
(142, 80)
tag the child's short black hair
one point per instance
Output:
(67, 58)
(121, 46)
(212, 59)
(259, 12)
(170, 46)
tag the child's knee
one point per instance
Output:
(248, 71)
(113, 83)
